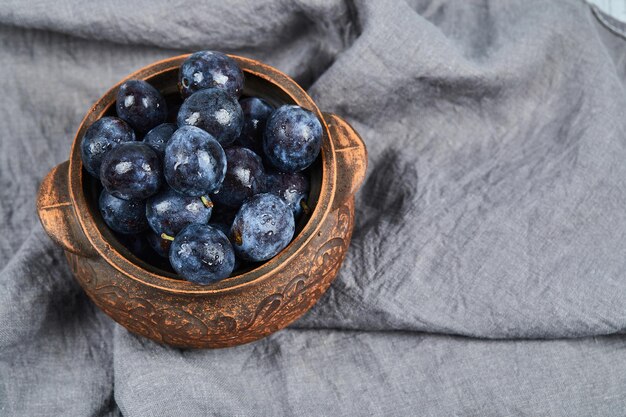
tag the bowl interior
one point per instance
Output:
(166, 81)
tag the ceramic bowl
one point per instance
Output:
(155, 303)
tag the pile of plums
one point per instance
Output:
(221, 187)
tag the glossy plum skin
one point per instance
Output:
(160, 246)
(102, 136)
(169, 212)
(214, 111)
(140, 105)
(292, 138)
(194, 163)
(263, 227)
(202, 254)
(291, 187)
(256, 111)
(210, 69)
(158, 137)
(122, 216)
(131, 171)
(244, 178)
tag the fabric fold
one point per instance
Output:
(486, 273)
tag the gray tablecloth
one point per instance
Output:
(487, 274)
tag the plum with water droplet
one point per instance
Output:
(194, 163)
(292, 187)
(102, 136)
(202, 254)
(141, 105)
(123, 216)
(169, 212)
(131, 171)
(210, 69)
(262, 228)
(215, 112)
(244, 178)
(292, 139)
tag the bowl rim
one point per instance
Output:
(136, 272)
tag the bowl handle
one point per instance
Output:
(57, 215)
(351, 155)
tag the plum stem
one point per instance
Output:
(205, 200)
(238, 238)
(305, 207)
(165, 236)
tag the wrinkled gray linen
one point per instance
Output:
(487, 273)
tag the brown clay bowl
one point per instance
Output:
(240, 309)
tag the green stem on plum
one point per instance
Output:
(205, 200)
(165, 236)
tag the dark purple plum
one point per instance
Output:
(127, 217)
(263, 227)
(194, 163)
(292, 138)
(209, 69)
(169, 212)
(214, 111)
(158, 137)
(159, 245)
(244, 178)
(102, 136)
(140, 105)
(131, 171)
(202, 254)
(291, 187)
(255, 114)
